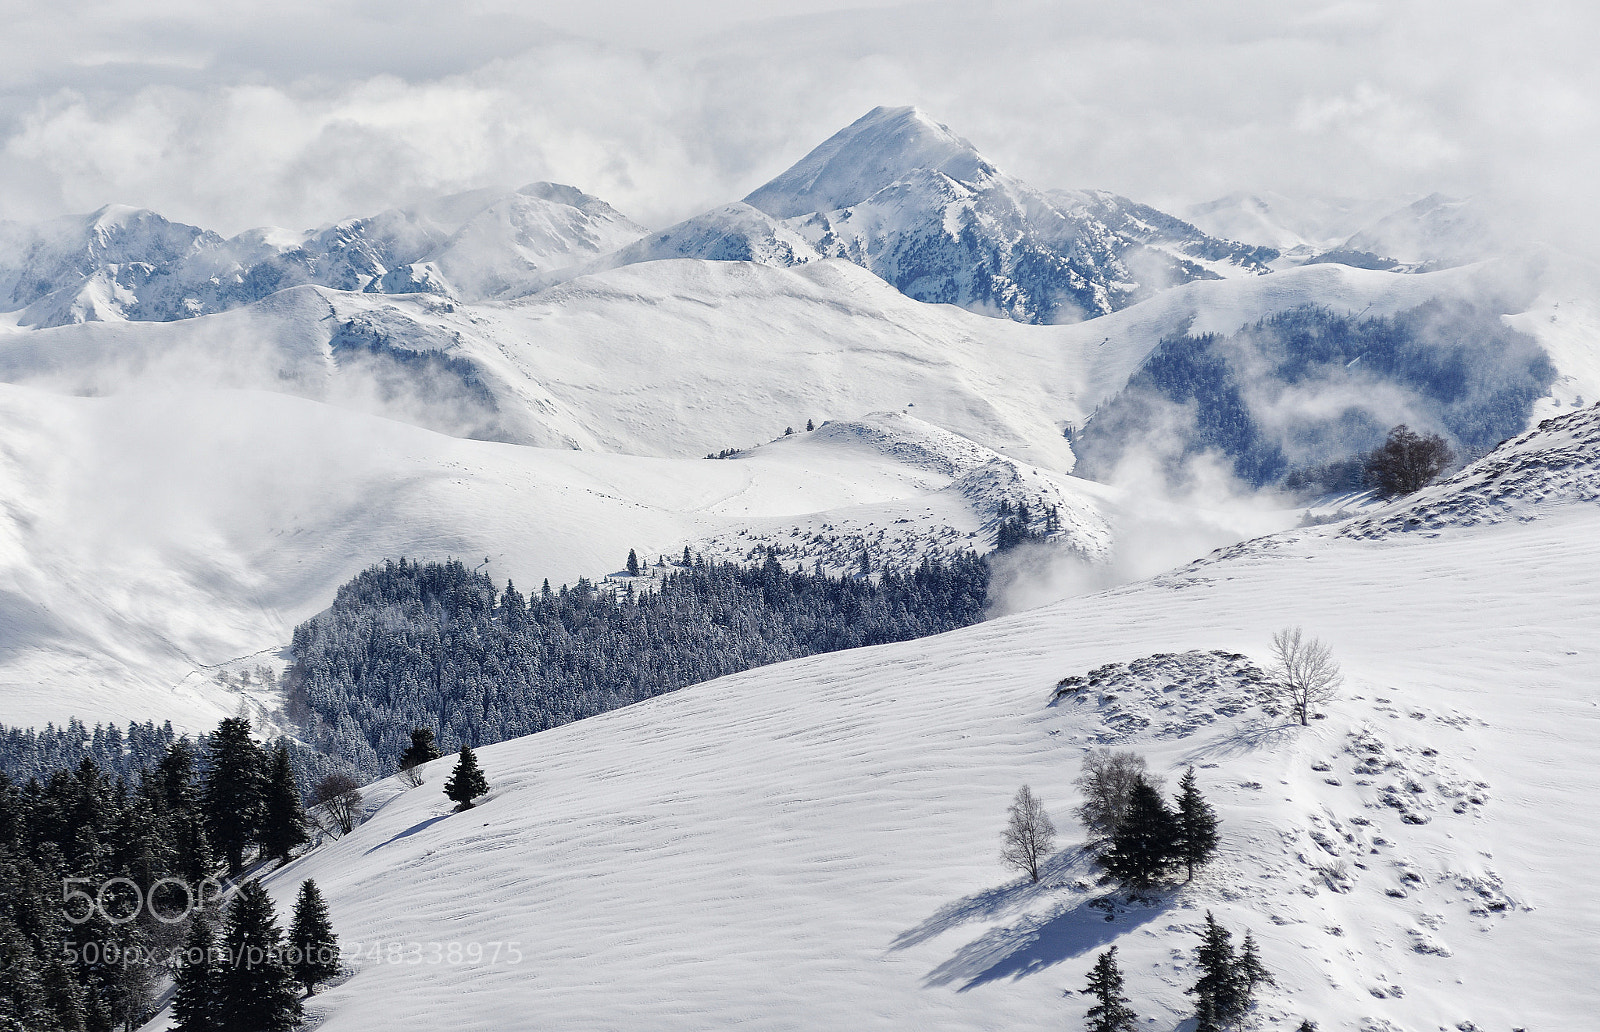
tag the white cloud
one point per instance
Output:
(299, 114)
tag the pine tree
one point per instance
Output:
(633, 563)
(1197, 825)
(232, 802)
(23, 1001)
(256, 991)
(1145, 842)
(1206, 1019)
(194, 1002)
(283, 818)
(1248, 970)
(175, 775)
(1307, 1025)
(421, 750)
(1218, 985)
(466, 781)
(513, 607)
(1110, 1012)
(313, 948)
(810, 426)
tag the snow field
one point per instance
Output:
(815, 844)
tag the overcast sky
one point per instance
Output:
(295, 113)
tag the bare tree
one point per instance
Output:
(411, 777)
(339, 797)
(1407, 462)
(1306, 675)
(1029, 837)
(1107, 784)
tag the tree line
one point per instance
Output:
(1455, 366)
(435, 645)
(102, 875)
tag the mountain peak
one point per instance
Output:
(875, 150)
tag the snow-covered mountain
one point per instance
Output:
(124, 263)
(895, 192)
(902, 195)
(815, 844)
(1436, 230)
(1297, 226)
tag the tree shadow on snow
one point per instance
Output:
(991, 903)
(1068, 928)
(1040, 941)
(1249, 737)
(422, 826)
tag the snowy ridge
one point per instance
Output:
(902, 195)
(895, 192)
(123, 263)
(959, 510)
(1555, 464)
(803, 845)
(655, 358)
(872, 153)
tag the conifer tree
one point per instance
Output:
(313, 948)
(1307, 1025)
(194, 1002)
(421, 750)
(513, 607)
(23, 1000)
(232, 802)
(1206, 1019)
(633, 563)
(1197, 825)
(1110, 1012)
(1248, 970)
(175, 776)
(1218, 986)
(810, 426)
(466, 781)
(256, 991)
(1145, 842)
(283, 818)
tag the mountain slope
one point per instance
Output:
(125, 263)
(1557, 462)
(902, 195)
(148, 538)
(655, 358)
(815, 844)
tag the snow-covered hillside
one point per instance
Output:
(150, 537)
(656, 358)
(1556, 462)
(815, 845)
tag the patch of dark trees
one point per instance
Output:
(1303, 398)
(434, 645)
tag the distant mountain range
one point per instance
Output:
(895, 192)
